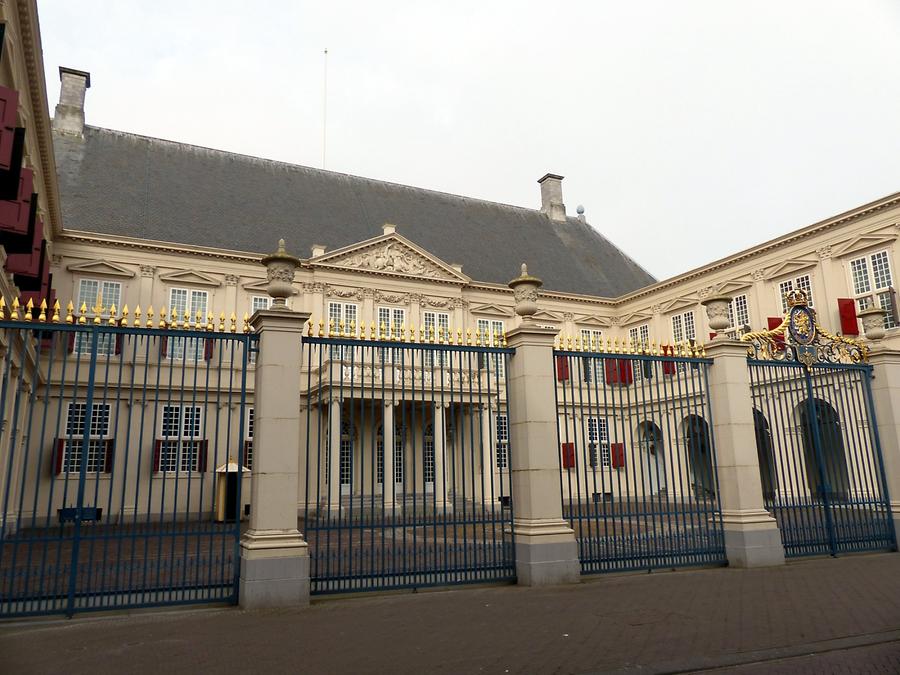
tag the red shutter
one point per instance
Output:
(626, 371)
(15, 214)
(118, 349)
(712, 336)
(110, 455)
(11, 167)
(9, 108)
(157, 449)
(847, 312)
(58, 455)
(202, 447)
(562, 368)
(568, 455)
(668, 366)
(617, 454)
(164, 345)
(208, 349)
(774, 322)
(70, 347)
(611, 368)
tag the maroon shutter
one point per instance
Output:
(58, 455)
(568, 455)
(9, 107)
(773, 323)
(611, 367)
(201, 454)
(157, 450)
(11, 171)
(626, 371)
(712, 336)
(847, 312)
(110, 448)
(15, 214)
(668, 366)
(208, 349)
(70, 347)
(164, 345)
(118, 349)
(562, 368)
(617, 454)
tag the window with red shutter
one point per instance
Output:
(562, 368)
(157, 450)
(15, 213)
(208, 349)
(617, 453)
(626, 371)
(847, 312)
(568, 455)
(58, 454)
(773, 323)
(611, 368)
(669, 367)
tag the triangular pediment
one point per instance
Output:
(791, 266)
(544, 315)
(862, 242)
(102, 268)
(676, 304)
(190, 277)
(592, 320)
(734, 287)
(634, 317)
(256, 285)
(391, 255)
(493, 310)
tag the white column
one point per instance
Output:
(440, 434)
(886, 394)
(333, 448)
(274, 555)
(387, 486)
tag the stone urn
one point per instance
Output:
(525, 288)
(280, 268)
(718, 312)
(873, 322)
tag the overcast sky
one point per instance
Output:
(689, 130)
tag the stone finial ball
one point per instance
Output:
(580, 210)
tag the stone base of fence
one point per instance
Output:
(752, 539)
(274, 570)
(546, 554)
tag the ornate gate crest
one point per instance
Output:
(800, 337)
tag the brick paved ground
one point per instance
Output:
(845, 612)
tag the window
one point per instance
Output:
(391, 321)
(598, 440)
(398, 453)
(428, 454)
(436, 325)
(73, 443)
(346, 459)
(872, 280)
(109, 293)
(639, 336)
(192, 302)
(259, 302)
(502, 441)
(683, 327)
(739, 313)
(592, 341)
(179, 443)
(341, 315)
(802, 283)
(248, 440)
(379, 455)
(492, 329)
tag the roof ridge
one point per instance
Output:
(312, 168)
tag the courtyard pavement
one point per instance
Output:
(814, 616)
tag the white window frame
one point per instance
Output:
(394, 321)
(110, 294)
(182, 449)
(598, 439)
(187, 349)
(639, 336)
(493, 327)
(428, 456)
(501, 454)
(802, 282)
(260, 303)
(587, 363)
(98, 435)
(248, 438)
(739, 312)
(346, 312)
(874, 284)
(440, 321)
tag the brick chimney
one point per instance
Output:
(551, 197)
(69, 116)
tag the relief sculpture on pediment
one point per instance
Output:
(393, 258)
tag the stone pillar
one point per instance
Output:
(440, 434)
(333, 448)
(274, 555)
(752, 538)
(145, 291)
(387, 486)
(886, 394)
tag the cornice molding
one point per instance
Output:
(190, 277)
(101, 267)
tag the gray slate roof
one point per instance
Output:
(113, 182)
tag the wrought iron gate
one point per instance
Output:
(817, 441)
(405, 474)
(122, 459)
(637, 455)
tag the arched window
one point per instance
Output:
(826, 466)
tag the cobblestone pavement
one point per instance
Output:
(822, 615)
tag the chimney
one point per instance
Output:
(69, 116)
(551, 197)
(318, 250)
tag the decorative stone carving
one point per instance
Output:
(395, 258)
(824, 252)
(758, 275)
(392, 298)
(231, 280)
(56, 259)
(873, 323)
(440, 303)
(280, 270)
(417, 298)
(459, 303)
(369, 292)
(332, 292)
(147, 270)
(568, 316)
(314, 287)
(615, 321)
(705, 292)
(656, 309)
(525, 290)
(717, 310)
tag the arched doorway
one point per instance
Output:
(699, 450)
(650, 440)
(765, 455)
(826, 471)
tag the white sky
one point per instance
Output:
(689, 130)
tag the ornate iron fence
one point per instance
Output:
(817, 441)
(122, 460)
(405, 474)
(637, 456)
